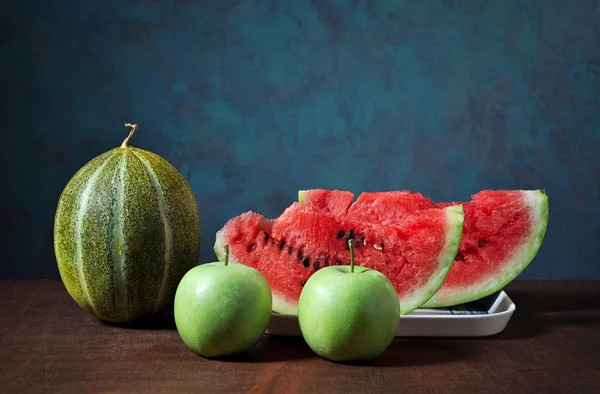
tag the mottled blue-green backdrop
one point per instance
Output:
(253, 100)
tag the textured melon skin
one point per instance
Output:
(537, 201)
(127, 228)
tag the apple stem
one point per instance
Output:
(351, 247)
(226, 254)
(133, 128)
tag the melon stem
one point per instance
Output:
(351, 247)
(134, 128)
(226, 254)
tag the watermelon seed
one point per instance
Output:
(481, 243)
(290, 250)
(281, 244)
(459, 256)
(340, 234)
(306, 262)
(378, 247)
(266, 237)
(303, 283)
(251, 247)
(363, 239)
(300, 255)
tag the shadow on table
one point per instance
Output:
(401, 353)
(538, 313)
(162, 321)
(407, 352)
(410, 352)
(274, 349)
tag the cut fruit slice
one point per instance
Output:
(416, 254)
(503, 232)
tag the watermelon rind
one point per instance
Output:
(301, 195)
(455, 221)
(537, 200)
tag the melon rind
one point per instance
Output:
(537, 200)
(126, 230)
(455, 222)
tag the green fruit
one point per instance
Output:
(222, 309)
(348, 313)
(127, 229)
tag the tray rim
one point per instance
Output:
(499, 305)
(501, 295)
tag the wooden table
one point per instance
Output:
(552, 344)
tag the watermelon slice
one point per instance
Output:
(502, 233)
(415, 254)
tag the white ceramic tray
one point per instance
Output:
(484, 317)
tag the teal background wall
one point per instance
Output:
(253, 100)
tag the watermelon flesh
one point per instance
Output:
(415, 254)
(386, 208)
(335, 202)
(503, 231)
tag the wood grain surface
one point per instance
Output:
(49, 344)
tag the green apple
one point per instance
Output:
(222, 309)
(348, 313)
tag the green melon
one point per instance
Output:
(127, 229)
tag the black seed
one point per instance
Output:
(317, 265)
(459, 256)
(340, 234)
(266, 236)
(281, 244)
(481, 243)
(290, 250)
(382, 245)
(251, 247)
(306, 262)
(300, 255)
(303, 283)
